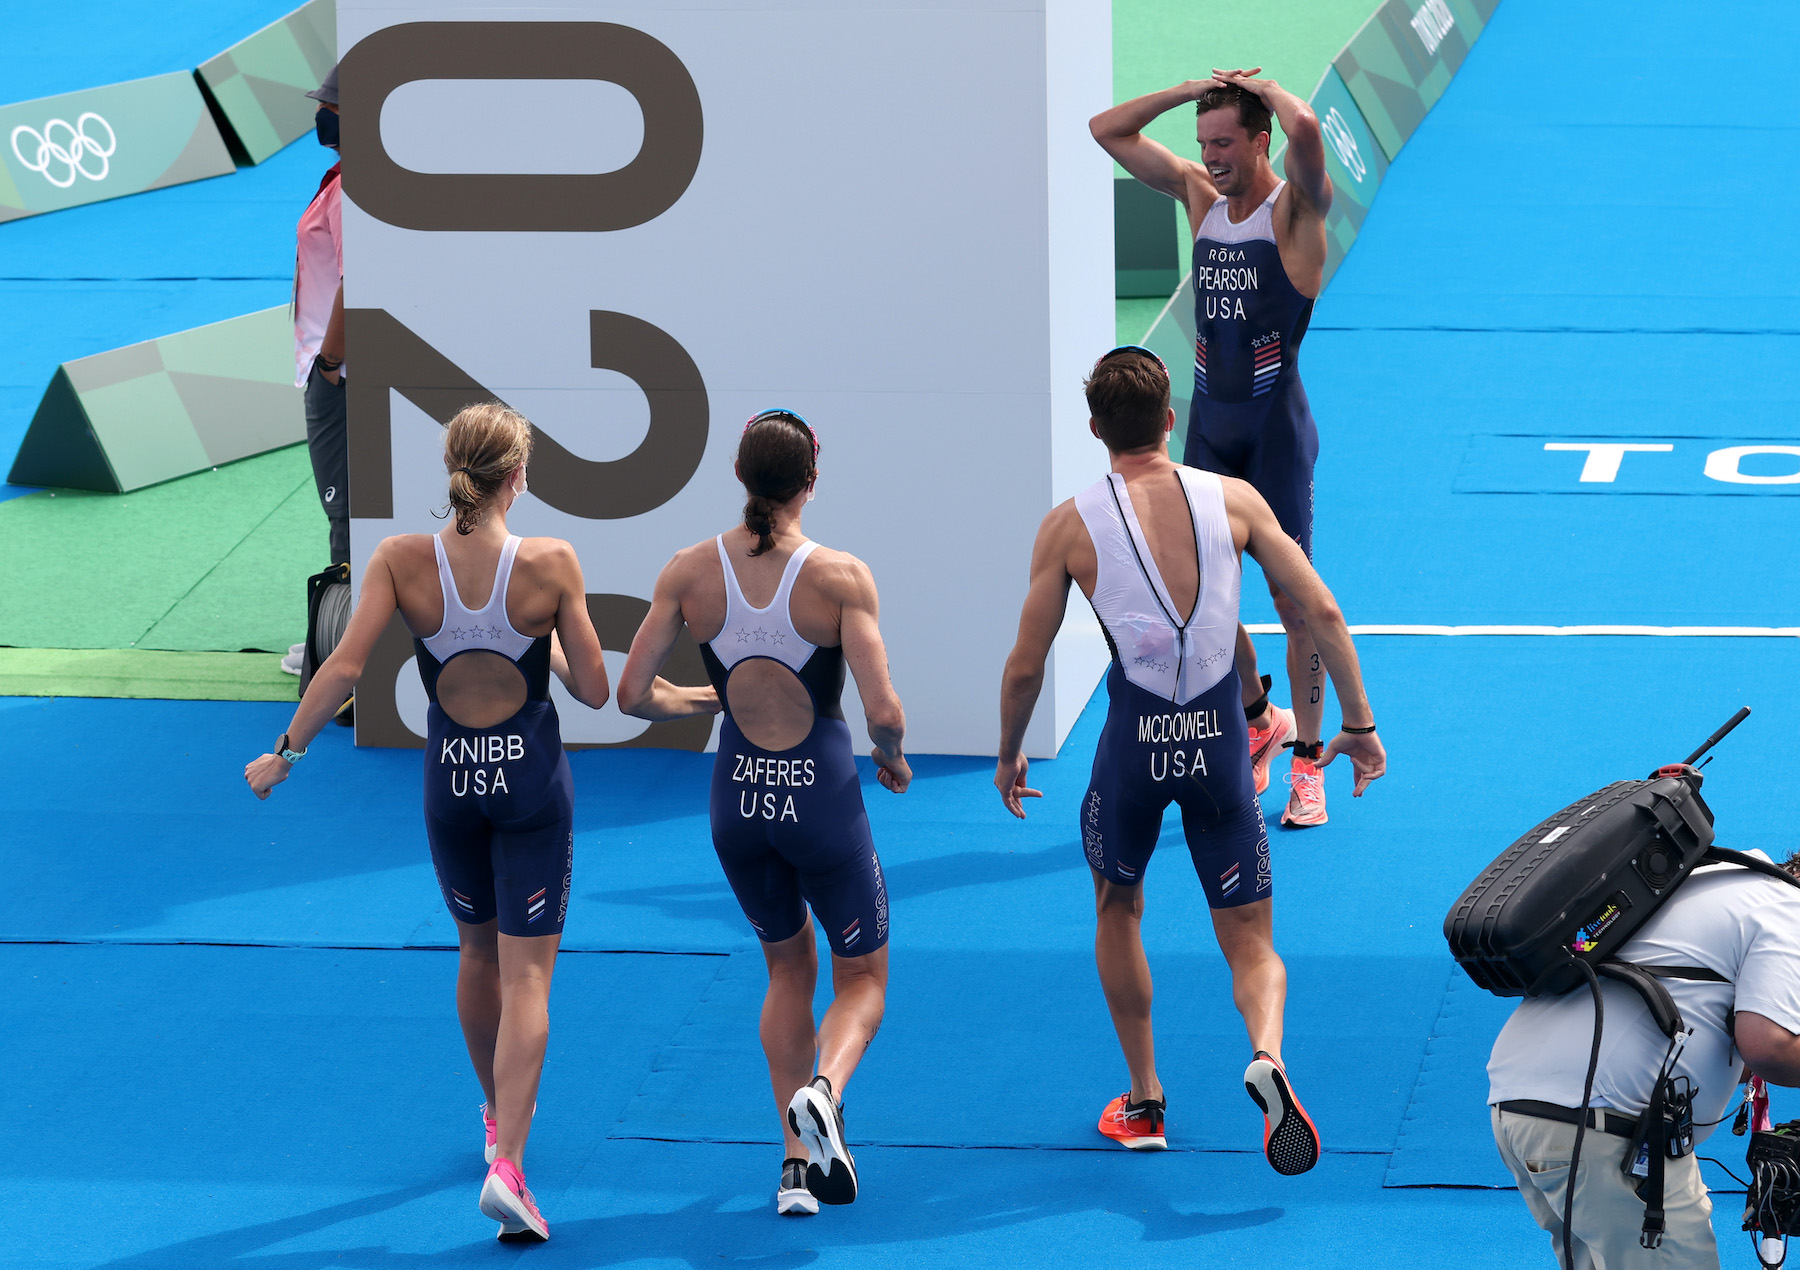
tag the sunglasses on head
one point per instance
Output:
(790, 417)
(1130, 348)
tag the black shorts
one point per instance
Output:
(500, 815)
(1153, 753)
(1270, 442)
(791, 832)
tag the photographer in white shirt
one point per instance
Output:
(1742, 925)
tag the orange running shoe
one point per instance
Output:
(1138, 1125)
(1306, 805)
(1289, 1139)
(1265, 743)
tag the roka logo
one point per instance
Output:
(1337, 131)
(61, 159)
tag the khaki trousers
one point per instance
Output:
(1608, 1214)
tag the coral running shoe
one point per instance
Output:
(792, 1198)
(817, 1119)
(1289, 1138)
(493, 1134)
(1137, 1125)
(1266, 743)
(505, 1199)
(1306, 805)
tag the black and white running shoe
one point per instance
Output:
(793, 1199)
(1289, 1138)
(817, 1119)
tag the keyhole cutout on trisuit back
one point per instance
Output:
(771, 706)
(479, 689)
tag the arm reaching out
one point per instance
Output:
(859, 628)
(1045, 603)
(644, 693)
(1261, 535)
(333, 682)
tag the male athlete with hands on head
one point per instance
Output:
(1155, 547)
(1259, 263)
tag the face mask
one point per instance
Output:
(325, 123)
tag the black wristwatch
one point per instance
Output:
(292, 756)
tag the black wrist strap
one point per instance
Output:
(1357, 731)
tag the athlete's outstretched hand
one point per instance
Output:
(1365, 754)
(1009, 779)
(894, 773)
(266, 773)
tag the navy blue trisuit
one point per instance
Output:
(1249, 416)
(499, 801)
(789, 825)
(1175, 730)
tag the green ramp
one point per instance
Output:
(169, 407)
(259, 84)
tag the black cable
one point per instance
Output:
(1728, 1173)
(1587, 1093)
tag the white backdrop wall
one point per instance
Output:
(897, 226)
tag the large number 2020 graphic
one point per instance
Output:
(391, 358)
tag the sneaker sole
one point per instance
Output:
(1290, 1141)
(1296, 822)
(1142, 1144)
(830, 1173)
(796, 1203)
(516, 1222)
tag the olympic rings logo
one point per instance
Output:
(1337, 131)
(70, 157)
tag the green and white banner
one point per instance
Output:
(1401, 61)
(1355, 161)
(101, 143)
(260, 83)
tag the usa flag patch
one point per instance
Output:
(534, 907)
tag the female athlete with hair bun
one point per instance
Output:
(778, 618)
(499, 803)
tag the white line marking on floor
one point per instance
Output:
(1724, 632)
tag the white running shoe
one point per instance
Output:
(1266, 743)
(1306, 805)
(817, 1119)
(290, 663)
(792, 1199)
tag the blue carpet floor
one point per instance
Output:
(306, 1102)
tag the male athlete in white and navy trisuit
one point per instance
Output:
(779, 619)
(1155, 548)
(1259, 262)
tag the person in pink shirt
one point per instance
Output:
(319, 340)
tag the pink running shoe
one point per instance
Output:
(505, 1200)
(1306, 805)
(1265, 743)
